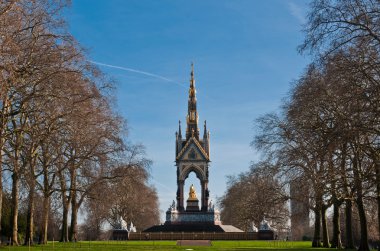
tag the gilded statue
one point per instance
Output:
(192, 193)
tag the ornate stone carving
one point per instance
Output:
(192, 154)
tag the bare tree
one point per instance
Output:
(350, 26)
(59, 135)
(24, 55)
(327, 124)
(130, 180)
(335, 25)
(253, 195)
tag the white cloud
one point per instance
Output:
(297, 12)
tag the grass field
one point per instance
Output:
(167, 245)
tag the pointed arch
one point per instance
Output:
(198, 170)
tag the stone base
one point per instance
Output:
(194, 222)
(197, 217)
(185, 228)
(193, 228)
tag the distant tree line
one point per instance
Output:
(62, 146)
(328, 130)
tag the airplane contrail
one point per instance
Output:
(136, 71)
(161, 184)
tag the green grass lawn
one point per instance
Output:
(166, 245)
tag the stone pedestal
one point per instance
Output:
(192, 205)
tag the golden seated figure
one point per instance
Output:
(192, 193)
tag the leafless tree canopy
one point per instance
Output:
(327, 132)
(60, 139)
(339, 24)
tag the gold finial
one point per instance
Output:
(192, 193)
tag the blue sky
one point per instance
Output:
(244, 54)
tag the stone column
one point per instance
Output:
(180, 199)
(205, 195)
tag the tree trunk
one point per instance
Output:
(317, 228)
(359, 202)
(377, 163)
(65, 204)
(29, 234)
(4, 110)
(326, 241)
(15, 204)
(65, 234)
(45, 220)
(363, 226)
(336, 241)
(46, 193)
(349, 235)
(30, 215)
(349, 240)
(74, 207)
(64, 230)
(74, 220)
(1, 182)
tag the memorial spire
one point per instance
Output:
(192, 114)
